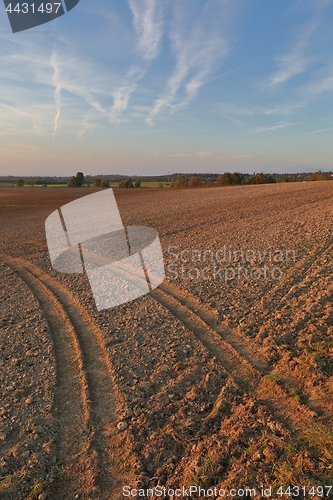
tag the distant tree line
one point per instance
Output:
(78, 180)
(318, 176)
(178, 180)
(261, 178)
(226, 179)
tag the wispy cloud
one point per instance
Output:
(198, 43)
(282, 109)
(148, 24)
(86, 125)
(181, 154)
(271, 127)
(75, 74)
(57, 92)
(45, 73)
(17, 110)
(317, 131)
(298, 59)
(204, 154)
(231, 111)
(122, 94)
(321, 86)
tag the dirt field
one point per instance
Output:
(222, 377)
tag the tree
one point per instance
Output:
(209, 181)
(72, 182)
(261, 178)
(79, 178)
(237, 178)
(126, 184)
(318, 176)
(160, 185)
(137, 184)
(195, 180)
(97, 182)
(224, 179)
(181, 181)
(228, 179)
(76, 180)
(20, 183)
(105, 184)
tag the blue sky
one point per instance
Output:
(158, 86)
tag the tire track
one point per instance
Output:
(22, 241)
(247, 372)
(240, 368)
(197, 319)
(81, 355)
(70, 405)
(241, 359)
(298, 417)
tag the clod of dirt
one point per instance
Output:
(122, 426)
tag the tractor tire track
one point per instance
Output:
(70, 405)
(247, 371)
(71, 325)
(292, 414)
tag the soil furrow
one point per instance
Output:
(248, 349)
(249, 377)
(290, 280)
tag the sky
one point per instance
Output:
(153, 87)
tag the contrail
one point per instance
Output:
(57, 93)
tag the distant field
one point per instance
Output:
(155, 184)
(112, 184)
(146, 184)
(222, 376)
(8, 184)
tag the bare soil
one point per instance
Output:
(222, 377)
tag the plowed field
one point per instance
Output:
(220, 378)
